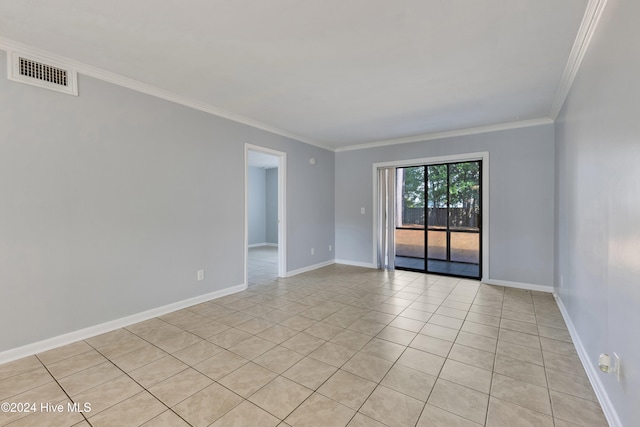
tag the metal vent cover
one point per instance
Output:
(42, 73)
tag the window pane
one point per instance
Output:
(437, 245)
(465, 247)
(410, 217)
(410, 248)
(437, 195)
(464, 196)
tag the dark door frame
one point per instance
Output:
(448, 225)
(451, 158)
(448, 216)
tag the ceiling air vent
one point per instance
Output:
(43, 73)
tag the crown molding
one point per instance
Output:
(580, 45)
(119, 80)
(450, 134)
(587, 28)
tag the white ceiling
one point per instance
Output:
(332, 72)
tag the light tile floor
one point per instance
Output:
(262, 265)
(333, 347)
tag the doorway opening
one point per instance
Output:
(438, 220)
(265, 229)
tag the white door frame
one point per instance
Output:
(483, 155)
(282, 207)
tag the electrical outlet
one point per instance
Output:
(313, 251)
(200, 275)
(362, 211)
(330, 248)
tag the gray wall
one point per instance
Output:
(262, 205)
(271, 197)
(110, 202)
(598, 203)
(257, 205)
(521, 201)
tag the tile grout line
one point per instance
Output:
(385, 292)
(62, 388)
(134, 380)
(495, 357)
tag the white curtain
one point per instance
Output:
(386, 221)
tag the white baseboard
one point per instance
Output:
(91, 331)
(309, 268)
(356, 263)
(257, 245)
(593, 374)
(518, 285)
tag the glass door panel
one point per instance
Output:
(442, 200)
(464, 214)
(464, 196)
(465, 247)
(437, 187)
(410, 215)
(437, 245)
(463, 219)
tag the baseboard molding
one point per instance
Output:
(91, 331)
(356, 263)
(519, 285)
(257, 245)
(310, 268)
(593, 374)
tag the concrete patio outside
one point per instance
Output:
(465, 247)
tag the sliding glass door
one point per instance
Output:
(438, 218)
(410, 210)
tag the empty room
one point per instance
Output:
(320, 213)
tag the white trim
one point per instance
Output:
(585, 33)
(449, 134)
(356, 263)
(117, 79)
(580, 46)
(519, 285)
(432, 160)
(482, 155)
(282, 208)
(257, 245)
(282, 215)
(91, 331)
(594, 375)
(310, 268)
